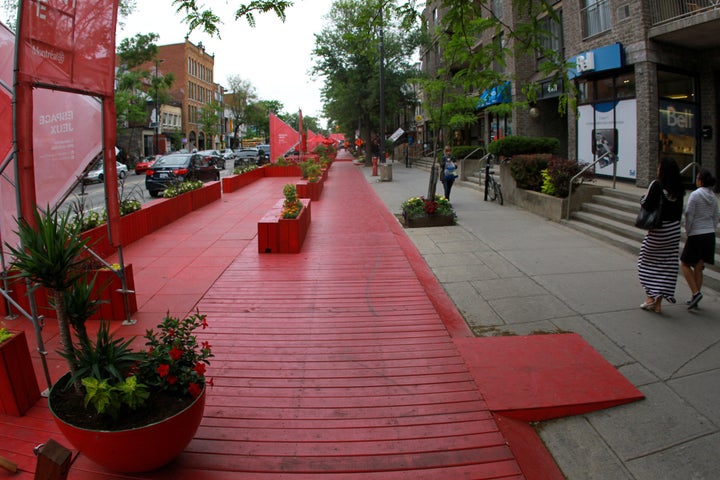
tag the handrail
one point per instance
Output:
(687, 167)
(572, 180)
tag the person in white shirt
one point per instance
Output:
(702, 214)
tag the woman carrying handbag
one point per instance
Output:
(659, 252)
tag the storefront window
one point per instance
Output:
(625, 86)
(676, 86)
(604, 90)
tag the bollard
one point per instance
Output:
(375, 166)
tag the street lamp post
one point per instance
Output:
(157, 108)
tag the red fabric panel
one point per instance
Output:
(68, 43)
(282, 137)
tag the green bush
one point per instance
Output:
(558, 175)
(518, 145)
(462, 151)
(527, 170)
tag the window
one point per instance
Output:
(606, 89)
(676, 86)
(552, 39)
(497, 9)
(595, 17)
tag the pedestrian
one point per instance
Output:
(448, 167)
(702, 214)
(659, 252)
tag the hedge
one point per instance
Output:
(518, 145)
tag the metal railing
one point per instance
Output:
(662, 11)
(581, 172)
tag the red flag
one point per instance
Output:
(282, 136)
(69, 44)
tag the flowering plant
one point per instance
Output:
(175, 360)
(292, 205)
(415, 207)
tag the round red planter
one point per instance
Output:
(139, 449)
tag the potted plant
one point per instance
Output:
(127, 410)
(423, 212)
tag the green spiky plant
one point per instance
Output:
(51, 256)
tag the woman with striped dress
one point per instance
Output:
(659, 252)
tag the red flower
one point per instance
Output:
(194, 389)
(211, 382)
(206, 346)
(176, 353)
(204, 324)
(163, 370)
(171, 379)
(200, 368)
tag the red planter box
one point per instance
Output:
(204, 196)
(311, 190)
(283, 235)
(107, 285)
(282, 171)
(235, 182)
(18, 386)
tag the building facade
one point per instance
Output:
(194, 89)
(647, 73)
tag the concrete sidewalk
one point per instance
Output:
(514, 273)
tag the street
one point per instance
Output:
(132, 186)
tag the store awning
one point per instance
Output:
(494, 96)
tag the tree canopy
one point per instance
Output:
(348, 54)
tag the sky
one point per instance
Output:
(274, 56)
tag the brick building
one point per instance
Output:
(648, 74)
(193, 89)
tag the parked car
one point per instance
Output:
(177, 167)
(246, 156)
(96, 175)
(146, 163)
(265, 148)
(213, 157)
(228, 154)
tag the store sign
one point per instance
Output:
(609, 57)
(550, 89)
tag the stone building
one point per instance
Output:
(647, 74)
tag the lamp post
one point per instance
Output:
(157, 107)
(382, 88)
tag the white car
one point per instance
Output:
(96, 174)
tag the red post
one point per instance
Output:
(375, 166)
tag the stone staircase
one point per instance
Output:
(610, 217)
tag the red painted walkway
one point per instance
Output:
(331, 363)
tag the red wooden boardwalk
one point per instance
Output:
(338, 362)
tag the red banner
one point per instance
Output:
(282, 136)
(68, 44)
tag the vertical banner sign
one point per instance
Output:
(68, 43)
(282, 136)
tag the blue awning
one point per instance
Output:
(494, 96)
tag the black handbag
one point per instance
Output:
(649, 219)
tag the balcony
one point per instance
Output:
(685, 23)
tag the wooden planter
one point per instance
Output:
(236, 182)
(282, 171)
(429, 221)
(107, 286)
(311, 190)
(283, 235)
(18, 386)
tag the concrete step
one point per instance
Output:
(619, 224)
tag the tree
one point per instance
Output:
(238, 98)
(259, 116)
(210, 120)
(138, 87)
(347, 54)
(474, 58)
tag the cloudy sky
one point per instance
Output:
(274, 56)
